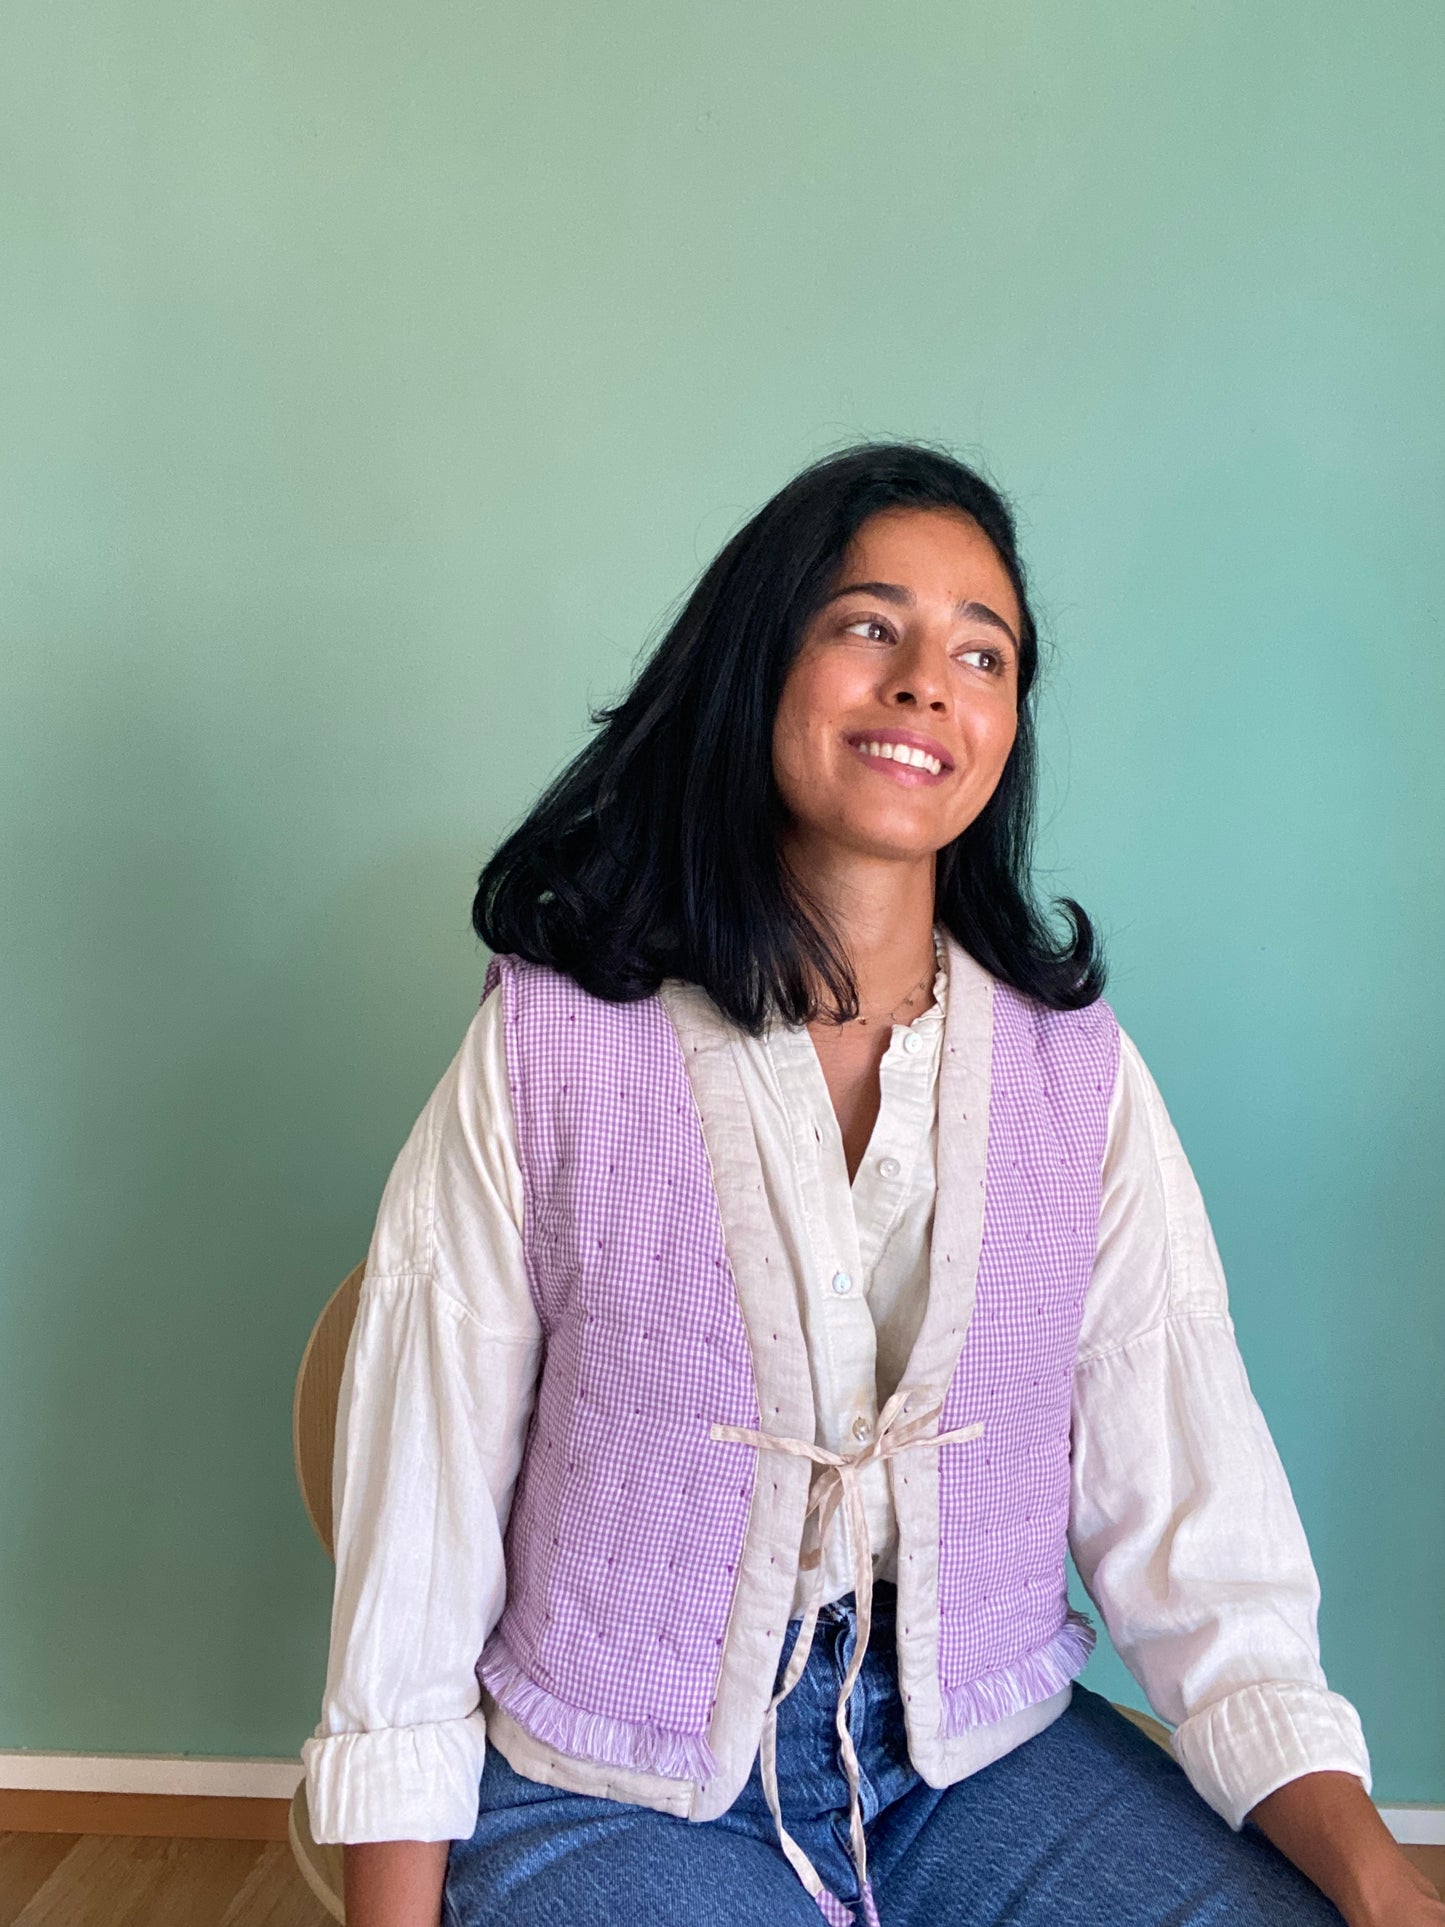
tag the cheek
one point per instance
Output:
(811, 688)
(803, 709)
(790, 756)
(997, 730)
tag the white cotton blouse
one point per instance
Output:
(1183, 1528)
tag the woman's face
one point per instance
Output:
(900, 708)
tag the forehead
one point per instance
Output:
(934, 552)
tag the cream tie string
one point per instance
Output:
(836, 1489)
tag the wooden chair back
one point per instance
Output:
(313, 1440)
(313, 1409)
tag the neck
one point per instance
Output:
(882, 911)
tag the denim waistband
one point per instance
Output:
(845, 1608)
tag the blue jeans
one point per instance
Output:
(1089, 1824)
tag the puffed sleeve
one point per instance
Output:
(1184, 1529)
(435, 1400)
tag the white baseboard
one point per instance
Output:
(1416, 1824)
(149, 1773)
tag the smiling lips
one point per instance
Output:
(904, 754)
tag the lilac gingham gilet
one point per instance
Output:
(628, 1519)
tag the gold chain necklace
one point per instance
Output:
(908, 995)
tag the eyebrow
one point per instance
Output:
(904, 598)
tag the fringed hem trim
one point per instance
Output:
(594, 1736)
(1037, 1676)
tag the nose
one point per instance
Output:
(917, 678)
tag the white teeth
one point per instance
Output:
(902, 753)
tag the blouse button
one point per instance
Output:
(889, 1167)
(842, 1283)
(862, 1427)
(912, 1043)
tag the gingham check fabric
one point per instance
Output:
(628, 1518)
(1007, 1636)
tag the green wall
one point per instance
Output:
(373, 380)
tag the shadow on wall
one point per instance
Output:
(229, 1089)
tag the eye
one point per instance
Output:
(994, 661)
(876, 631)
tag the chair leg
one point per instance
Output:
(321, 1867)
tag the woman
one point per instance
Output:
(795, 1260)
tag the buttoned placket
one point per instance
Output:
(848, 1227)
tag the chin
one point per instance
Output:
(895, 842)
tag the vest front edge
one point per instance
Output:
(965, 1072)
(767, 1569)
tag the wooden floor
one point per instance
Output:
(104, 1880)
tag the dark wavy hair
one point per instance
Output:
(655, 853)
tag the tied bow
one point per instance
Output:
(836, 1490)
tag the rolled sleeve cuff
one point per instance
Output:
(1257, 1739)
(398, 1783)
